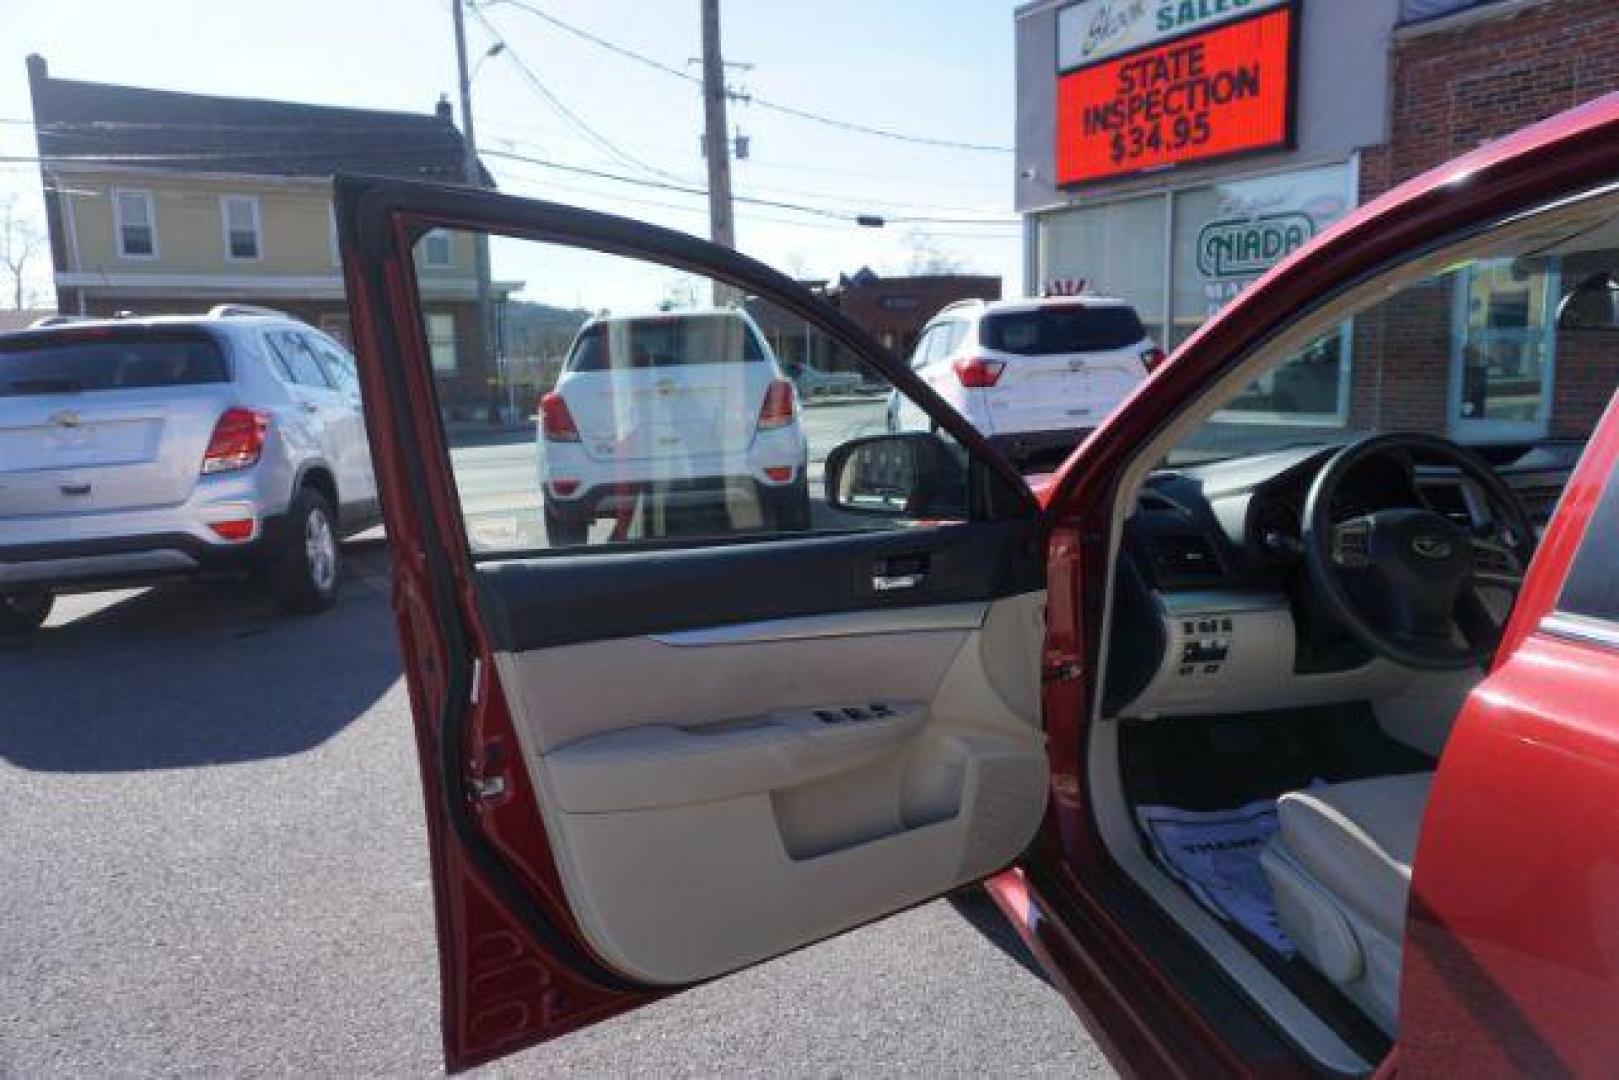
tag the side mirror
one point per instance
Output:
(905, 474)
(1593, 304)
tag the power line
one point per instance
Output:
(662, 185)
(777, 204)
(987, 216)
(536, 84)
(763, 103)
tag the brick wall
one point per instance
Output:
(1454, 89)
(895, 309)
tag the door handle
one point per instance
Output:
(899, 572)
(308, 406)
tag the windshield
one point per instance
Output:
(1474, 353)
(664, 341)
(1062, 330)
(53, 364)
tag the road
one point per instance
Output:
(498, 480)
(215, 865)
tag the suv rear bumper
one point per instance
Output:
(1022, 445)
(697, 494)
(102, 562)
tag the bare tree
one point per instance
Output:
(20, 241)
(928, 258)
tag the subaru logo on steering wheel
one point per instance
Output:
(1432, 546)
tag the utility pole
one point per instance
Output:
(716, 139)
(484, 340)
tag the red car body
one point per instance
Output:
(1512, 962)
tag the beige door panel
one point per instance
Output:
(687, 781)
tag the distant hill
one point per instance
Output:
(540, 331)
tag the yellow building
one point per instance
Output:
(159, 201)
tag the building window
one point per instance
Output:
(136, 224)
(243, 231)
(1225, 236)
(436, 248)
(1116, 248)
(441, 341)
(1503, 348)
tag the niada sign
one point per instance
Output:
(1094, 30)
(1247, 247)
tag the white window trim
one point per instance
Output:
(449, 250)
(258, 228)
(118, 223)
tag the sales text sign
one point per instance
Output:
(1223, 91)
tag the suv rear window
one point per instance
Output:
(672, 341)
(137, 360)
(1061, 330)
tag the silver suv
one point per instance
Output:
(134, 449)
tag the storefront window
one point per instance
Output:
(1116, 248)
(1503, 349)
(1226, 236)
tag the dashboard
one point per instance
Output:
(1213, 612)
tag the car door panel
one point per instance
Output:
(744, 758)
(649, 765)
(743, 804)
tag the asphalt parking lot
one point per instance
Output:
(215, 865)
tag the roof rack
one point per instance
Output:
(230, 311)
(61, 320)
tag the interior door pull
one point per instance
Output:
(903, 572)
(891, 582)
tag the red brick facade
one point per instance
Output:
(1454, 87)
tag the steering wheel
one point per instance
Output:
(1405, 582)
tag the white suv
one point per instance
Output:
(1033, 375)
(682, 410)
(139, 448)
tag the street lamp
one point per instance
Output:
(494, 50)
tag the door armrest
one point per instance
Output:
(659, 765)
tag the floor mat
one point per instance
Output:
(1215, 854)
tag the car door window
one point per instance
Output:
(296, 360)
(1591, 590)
(620, 401)
(924, 348)
(337, 364)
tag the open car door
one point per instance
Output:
(700, 673)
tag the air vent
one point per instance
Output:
(1182, 558)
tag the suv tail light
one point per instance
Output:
(237, 441)
(1151, 358)
(976, 373)
(556, 422)
(777, 410)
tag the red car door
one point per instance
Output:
(656, 758)
(1513, 961)
(760, 693)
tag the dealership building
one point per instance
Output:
(1171, 151)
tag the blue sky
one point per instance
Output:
(938, 69)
